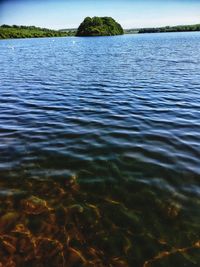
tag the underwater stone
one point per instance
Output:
(8, 220)
(35, 205)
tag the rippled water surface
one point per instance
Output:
(118, 116)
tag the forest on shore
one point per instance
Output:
(14, 31)
(180, 28)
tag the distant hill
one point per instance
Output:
(99, 26)
(14, 31)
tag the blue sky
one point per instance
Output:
(69, 13)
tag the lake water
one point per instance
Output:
(100, 137)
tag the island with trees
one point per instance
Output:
(99, 26)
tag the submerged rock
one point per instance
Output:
(75, 258)
(50, 252)
(63, 224)
(35, 205)
(8, 220)
(171, 209)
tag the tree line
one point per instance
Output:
(181, 28)
(14, 31)
(89, 27)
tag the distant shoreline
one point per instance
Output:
(21, 32)
(179, 28)
(18, 32)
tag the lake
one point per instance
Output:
(100, 150)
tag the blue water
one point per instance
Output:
(131, 100)
(118, 109)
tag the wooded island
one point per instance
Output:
(99, 26)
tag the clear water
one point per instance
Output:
(121, 115)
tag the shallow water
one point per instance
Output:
(120, 115)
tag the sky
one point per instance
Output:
(62, 14)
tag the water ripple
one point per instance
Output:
(132, 101)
